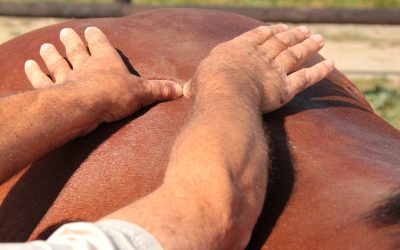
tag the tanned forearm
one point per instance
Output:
(216, 179)
(225, 143)
(32, 123)
(98, 88)
(217, 160)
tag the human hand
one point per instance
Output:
(263, 60)
(100, 72)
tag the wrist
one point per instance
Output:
(222, 91)
(89, 107)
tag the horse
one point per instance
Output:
(334, 171)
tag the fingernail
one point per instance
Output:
(187, 90)
(304, 29)
(44, 47)
(88, 29)
(329, 63)
(64, 32)
(318, 38)
(28, 64)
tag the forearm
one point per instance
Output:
(215, 183)
(97, 88)
(38, 121)
(220, 162)
(224, 142)
(216, 178)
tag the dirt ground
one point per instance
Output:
(356, 49)
(14, 26)
(363, 50)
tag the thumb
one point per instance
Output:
(162, 90)
(187, 89)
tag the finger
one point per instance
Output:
(294, 56)
(304, 78)
(161, 90)
(35, 75)
(262, 33)
(280, 42)
(57, 65)
(75, 49)
(98, 43)
(187, 89)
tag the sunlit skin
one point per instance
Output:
(252, 74)
(98, 89)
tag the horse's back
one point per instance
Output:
(329, 148)
(119, 162)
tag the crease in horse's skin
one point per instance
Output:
(281, 180)
(26, 212)
(281, 172)
(127, 63)
(386, 212)
(324, 94)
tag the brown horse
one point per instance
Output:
(335, 162)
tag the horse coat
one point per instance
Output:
(333, 158)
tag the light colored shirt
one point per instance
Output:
(103, 235)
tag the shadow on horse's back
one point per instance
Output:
(333, 159)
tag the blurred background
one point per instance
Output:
(365, 44)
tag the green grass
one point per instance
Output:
(281, 3)
(384, 96)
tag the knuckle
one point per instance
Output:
(257, 35)
(56, 64)
(275, 29)
(256, 31)
(263, 55)
(301, 78)
(167, 90)
(74, 50)
(301, 86)
(298, 35)
(307, 77)
(283, 99)
(284, 38)
(262, 30)
(293, 56)
(284, 96)
(39, 79)
(279, 42)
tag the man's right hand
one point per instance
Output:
(101, 73)
(263, 60)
